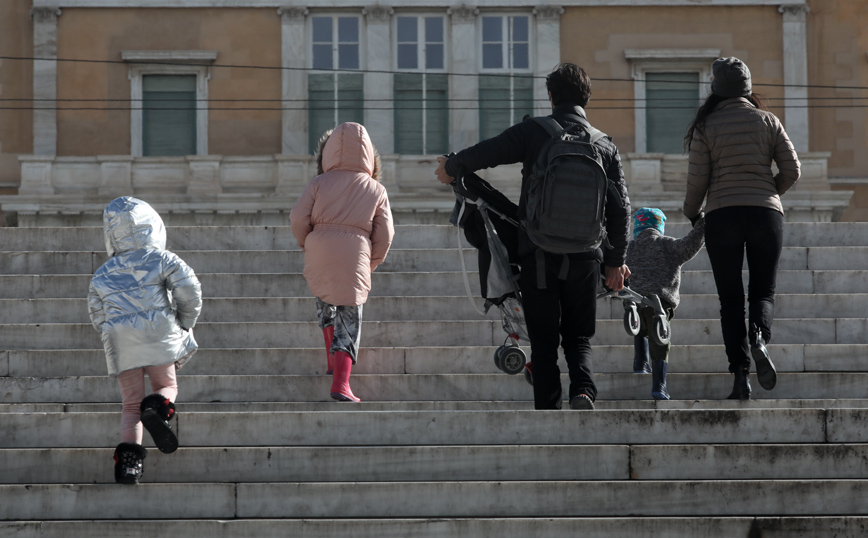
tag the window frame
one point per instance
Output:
(335, 70)
(421, 68)
(665, 61)
(155, 63)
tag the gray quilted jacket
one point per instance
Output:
(731, 156)
(144, 301)
(655, 262)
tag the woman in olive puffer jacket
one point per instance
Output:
(733, 141)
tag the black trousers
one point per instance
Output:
(730, 233)
(565, 310)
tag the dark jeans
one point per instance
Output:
(730, 232)
(565, 310)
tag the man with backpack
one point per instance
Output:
(575, 214)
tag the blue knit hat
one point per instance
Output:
(648, 217)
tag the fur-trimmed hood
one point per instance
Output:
(348, 147)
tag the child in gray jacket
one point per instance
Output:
(655, 264)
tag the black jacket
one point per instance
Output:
(522, 143)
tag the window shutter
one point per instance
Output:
(351, 98)
(522, 96)
(671, 102)
(437, 115)
(168, 115)
(321, 107)
(408, 113)
(494, 105)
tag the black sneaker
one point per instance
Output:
(157, 411)
(765, 368)
(582, 401)
(129, 463)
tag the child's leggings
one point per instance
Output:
(132, 383)
(348, 326)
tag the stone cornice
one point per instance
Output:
(463, 13)
(318, 4)
(548, 13)
(378, 13)
(45, 14)
(794, 12)
(292, 13)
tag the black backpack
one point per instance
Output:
(565, 193)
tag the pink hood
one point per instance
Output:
(342, 220)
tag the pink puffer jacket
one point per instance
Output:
(342, 221)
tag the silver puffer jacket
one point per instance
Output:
(144, 300)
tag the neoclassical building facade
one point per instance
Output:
(212, 109)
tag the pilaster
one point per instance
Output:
(378, 81)
(464, 83)
(45, 80)
(548, 52)
(796, 73)
(294, 80)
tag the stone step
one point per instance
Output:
(418, 308)
(808, 234)
(429, 387)
(441, 405)
(398, 260)
(425, 360)
(426, 333)
(453, 427)
(507, 499)
(432, 463)
(510, 527)
(230, 261)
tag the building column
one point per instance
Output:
(548, 53)
(796, 73)
(464, 82)
(45, 80)
(378, 81)
(294, 80)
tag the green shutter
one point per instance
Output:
(494, 105)
(671, 102)
(522, 95)
(168, 115)
(408, 113)
(437, 115)
(351, 98)
(321, 109)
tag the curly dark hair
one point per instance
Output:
(569, 83)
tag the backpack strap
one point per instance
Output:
(553, 128)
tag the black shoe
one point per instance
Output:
(157, 411)
(582, 401)
(640, 355)
(740, 385)
(129, 465)
(658, 380)
(765, 368)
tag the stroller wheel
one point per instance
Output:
(498, 357)
(512, 360)
(528, 374)
(631, 319)
(661, 333)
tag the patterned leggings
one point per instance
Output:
(347, 321)
(132, 384)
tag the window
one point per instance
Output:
(169, 94)
(335, 97)
(506, 88)
(669, 86)
(670, 105)
(168, 115)
(421, 92)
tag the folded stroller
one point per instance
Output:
(490, 224)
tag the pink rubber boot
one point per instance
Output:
(341, 392)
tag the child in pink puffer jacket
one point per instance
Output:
(343, 223)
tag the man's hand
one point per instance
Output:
(441, 174)
(615, 277)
